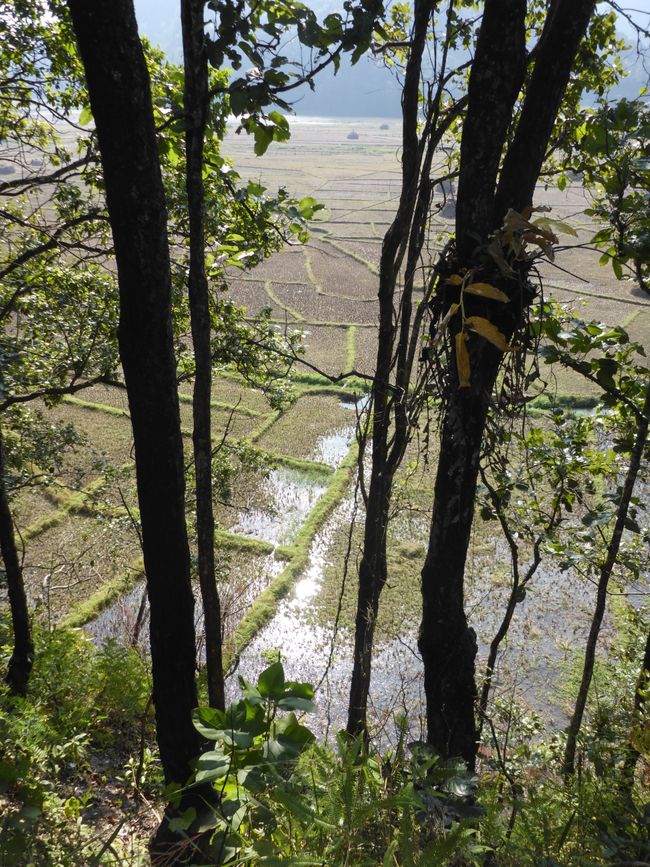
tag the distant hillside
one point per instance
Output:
(365, 90)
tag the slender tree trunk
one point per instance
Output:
(196, 104)
(22, 657)
(447, 645)
(603, 584)
(372, 577)
(120, 98)
(373, 569)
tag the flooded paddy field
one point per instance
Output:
(284, 530)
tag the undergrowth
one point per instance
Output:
(77, 771)
(65, 753)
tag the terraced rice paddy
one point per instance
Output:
(283, 534)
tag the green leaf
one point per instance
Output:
(239, 739)
(209, 722)
(308, 206)
(211, 766)
(238, 100)
(85, 116)
(271, 681)
(297, 703)
(255, 189)
(301, 690)
(182, 822)
(279, 120)
(263, 138)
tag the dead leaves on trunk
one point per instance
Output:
(478, 324)
(511, 243)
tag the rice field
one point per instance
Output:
(282, 536)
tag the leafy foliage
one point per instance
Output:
(284, 799)
(615, 159)
(80, 701)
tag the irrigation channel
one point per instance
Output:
(549, 624)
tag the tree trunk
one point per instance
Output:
(22, 657)
(447, 645)
(372, 577)
(494, 84)
(196, 104)
(373, 569)
(120, 98)
(554, 59)
(603, 583)
(446, 642)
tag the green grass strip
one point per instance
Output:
(357, 258)
(96, 407)
(268, 422)
(351, 348)
(266, 604)
(630, 319)
(245, 544)
(563, 401)
(599, 295)
(69, 503)
(184, 398)
(347, 395)
(315, 469)
(42, 525)
(268, 288)
(316, 323)
(319, 289)
(90, 608)
(228, 407)
(354, 383)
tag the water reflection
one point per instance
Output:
(291, 496)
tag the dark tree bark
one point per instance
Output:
(606, 569)
(494, 84)
(196, 104)
(22, 657)
(447, 644)
(553, 63)
(120, 98)
(396, 345)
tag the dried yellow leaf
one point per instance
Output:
(489, 331)
(486, 290)
(454, 280)
(462, 360)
